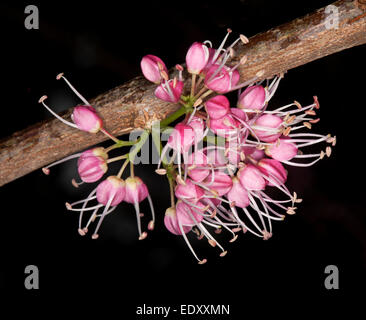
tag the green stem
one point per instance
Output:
(174, 116)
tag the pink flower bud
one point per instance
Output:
(187, 216)
(198, 126)
(113, 188)
(273, 123)
(239, 114)
(251, 178)
(219, 182)
(253, 97)
(92, 164)
(197, 57)
(274, 170)
(216, 157)
(170, 91)
(151, 67)
(217, 107)
(188, 191)
(282, 150)
(223, 81)
(254, 153)
(87, 119)
(238, 194)
(136, 190)
(198, 159)
(224, 127)
(182, 138)
(171, 222)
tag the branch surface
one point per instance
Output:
(133, 105)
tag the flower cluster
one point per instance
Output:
(228, 185)
(225, 163)
(92, 164)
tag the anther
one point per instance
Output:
(297, 104)
(74, 183)
(236, 229)
(197, 103)
(212, 243)
(234, 238)
(218, 230)
(59, 76)
(243, 60)
(81, 232)
(322, 154)
(310, 112)
(307, 124)
(41, 99)
(68, 206)
(95, 236)
(291, 119)
(259, 73)
(315, 120)
(203, 261)
(46, 171)
(223, 254)
(151, 225)
(244, 39)
(143, 236)
(317, 105)
(286, 132)
(160, 171)
(328, 151)
(178, 67)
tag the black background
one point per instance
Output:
(99, 46)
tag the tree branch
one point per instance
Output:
(133, 105)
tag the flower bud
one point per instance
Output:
(151, 67)
(223, 81)
(170, 91)
(253, 97)
(219, 182)
(251, 178)
(136, 190)
(217, 107)
(238, 194)
(274, 170)
(273, 123)
(282, 150)
(182, 138)
(197, 57)
(224, 127)
(171, 222)
(92, 165)
(187, 216)
(111, 189)
(188, 191)
(87, 119)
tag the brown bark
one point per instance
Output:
(133, 105)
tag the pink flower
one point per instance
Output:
(170, 90)
(87, 119)
(225, 126)
(152, 68)
(270, 127)
(189, 191)
(187, 216)
(219, 182)
(182, 138)
(238, 194)
(221, 79)
(217, 107)
(251, 178)
(172, 224)
(252, 98)
(274, 170)
(197, 57)
(282, 150)
(136, 192)
(112, 191)
(197, 166)
(91, 166)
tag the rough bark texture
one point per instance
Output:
(133, 105)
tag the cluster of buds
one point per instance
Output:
(223, 162)
(228, 185)
(92, 165)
